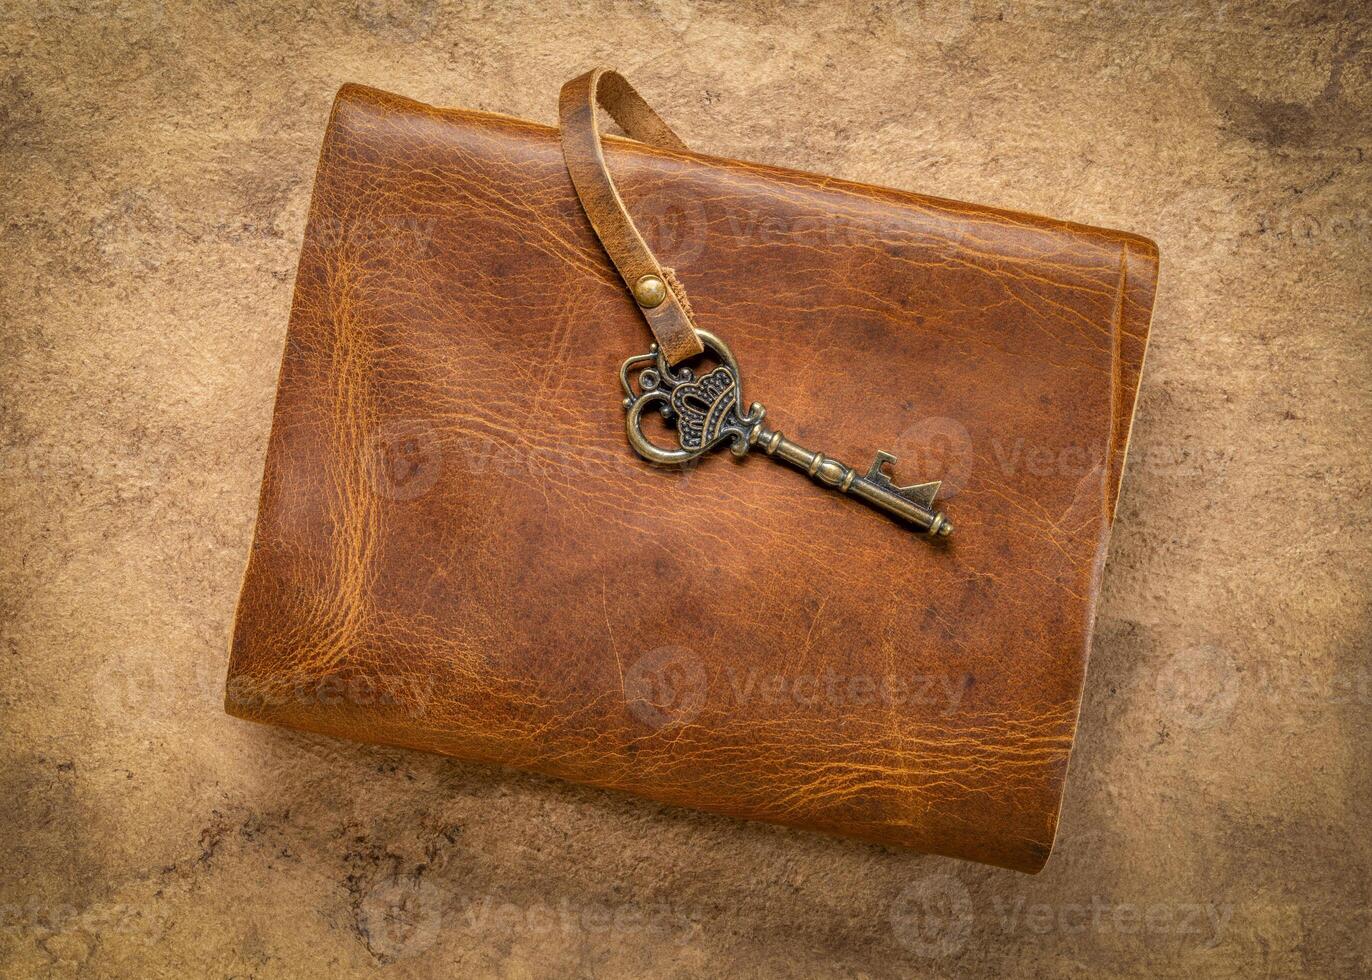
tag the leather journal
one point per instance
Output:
(463, 547)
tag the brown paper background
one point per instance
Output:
(158, 159)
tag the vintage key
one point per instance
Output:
(706, 413)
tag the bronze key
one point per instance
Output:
(706, 413)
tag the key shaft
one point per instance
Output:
(843, 478)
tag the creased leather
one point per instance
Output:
(457, 551)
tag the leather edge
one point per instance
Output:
(892, 195)
(1138, 289)
(340, 99)
(1141, 300)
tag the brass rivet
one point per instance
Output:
(650, 291)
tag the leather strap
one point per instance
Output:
(669, 318)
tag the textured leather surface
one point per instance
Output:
(457, 551)
(671, 321)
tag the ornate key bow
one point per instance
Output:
(706, 413)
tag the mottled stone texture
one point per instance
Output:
(157, 158)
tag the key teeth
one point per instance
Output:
(920, 493)
(877, 471)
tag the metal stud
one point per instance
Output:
(650, 291)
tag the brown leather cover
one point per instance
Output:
(457, 550)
